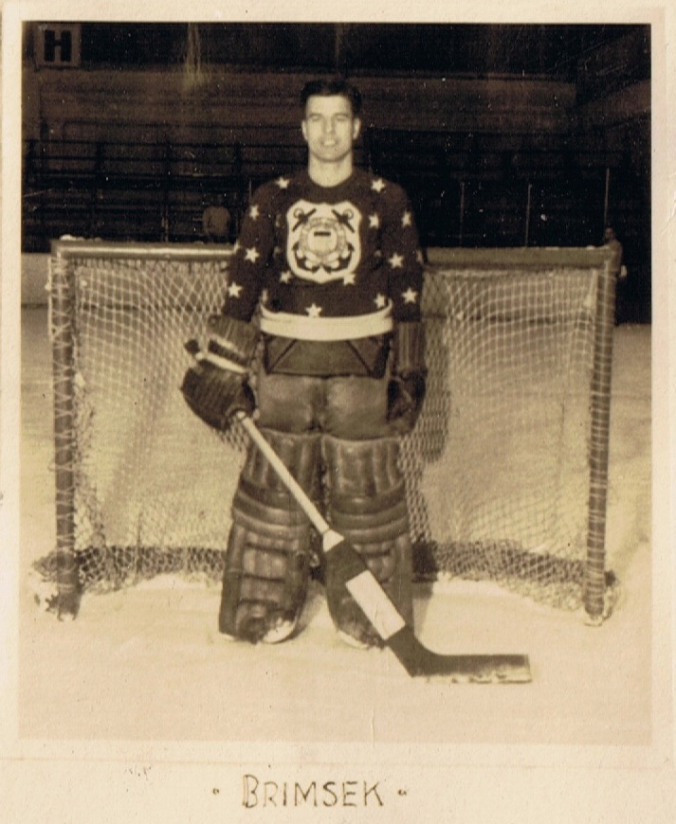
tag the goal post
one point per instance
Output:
(592, 315)
(506, 470)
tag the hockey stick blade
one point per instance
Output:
(475, 669)
(350, 567)
(417, 660)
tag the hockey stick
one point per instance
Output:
(386, 619)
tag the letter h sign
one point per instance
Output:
(57, 45)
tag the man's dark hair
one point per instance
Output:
(331, 88)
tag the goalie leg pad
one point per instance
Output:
(367, 505)
(267, 562)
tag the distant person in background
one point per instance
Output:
(216, 222)
(618, 269)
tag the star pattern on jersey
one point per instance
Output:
(389, 275)
(314, 311)
(234, 290)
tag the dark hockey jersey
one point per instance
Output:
(327, 263)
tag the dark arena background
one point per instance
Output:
(503, 135)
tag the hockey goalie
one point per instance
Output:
(324, 287)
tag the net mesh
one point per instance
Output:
(497, 469)
(498, 466)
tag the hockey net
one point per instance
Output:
(506, 469)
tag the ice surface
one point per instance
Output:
(148, 662)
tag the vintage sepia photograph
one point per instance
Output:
(335, 436)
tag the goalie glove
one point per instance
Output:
(216, 387)
(406, 389)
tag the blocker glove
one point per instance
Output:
(216, 387)
(405, 396)
(406, 389)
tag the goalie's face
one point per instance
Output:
(329, 128)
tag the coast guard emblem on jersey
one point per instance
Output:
(323, 242)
